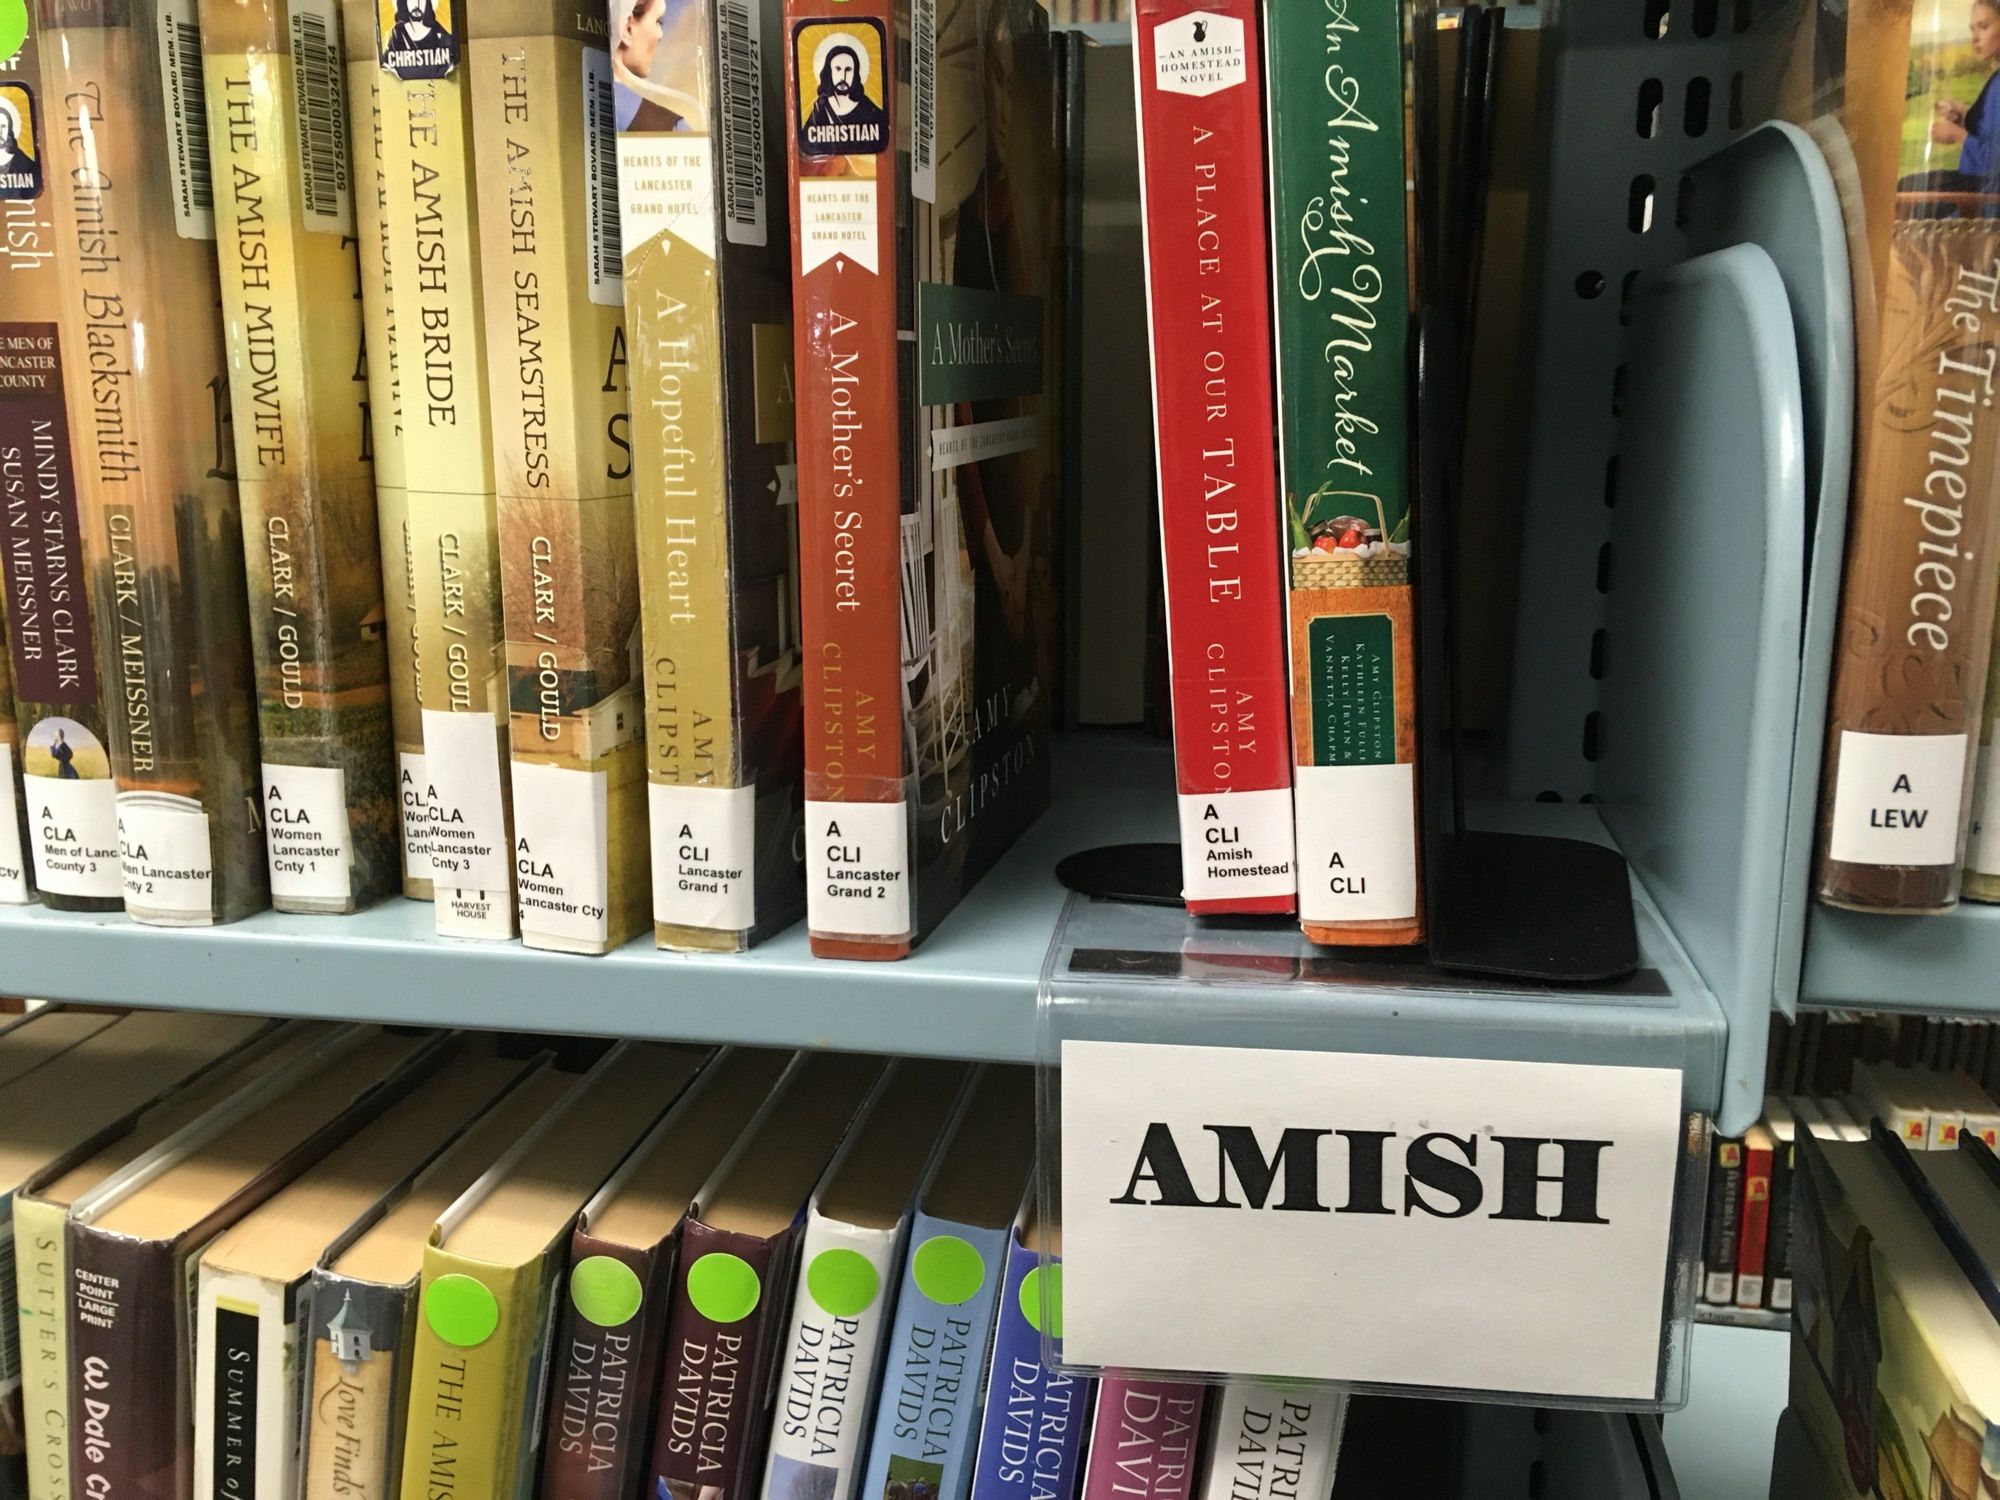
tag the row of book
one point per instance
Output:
(1895, 1349)
(273, 1259)
(495, 451)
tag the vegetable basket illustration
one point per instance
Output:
(1332, 549)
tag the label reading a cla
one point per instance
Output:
(1236, 845)
(1199, 54)
(468, 810)
(703, 842)
(1898, 798)
(561, 823)
(163, 850)
(414, 792)
(73, 823)
(306, 833)
(858, 868)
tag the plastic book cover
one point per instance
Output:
(370, 194)
(545, 150)
(1031, 1437)
(706, 232)
(1722, 1219)
(1754, 1234)
(69, 798)
(1145, 1440)
(1342, 301)
(926, 264)
(154, 462)
(284, 215)
(434, 299)
(1902, 99)
(1201, 191)
(1272, 1442)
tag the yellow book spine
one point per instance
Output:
(41, 1271)
(448, 466)
(546, 155)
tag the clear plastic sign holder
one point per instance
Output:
(1154, 977)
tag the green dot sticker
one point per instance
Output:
(1031, 1298)
(461, 1311)
(843, 1283)
(949, 1270)
(605, 1291)
(723, 1287)
(13, 26)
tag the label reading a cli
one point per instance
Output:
(704, 839)
(858, 868)
(1236, 845)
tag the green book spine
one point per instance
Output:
(1342, 299)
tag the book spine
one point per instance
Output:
(129, 1368)
(840, 1316)
(1272, 1442)
(385, 439)
(1342, 314)
(69, 798)
(41, 1276)
(1725, 1203)
(434, 271)
(17, 880)
(1916, 624)
(600, 1408)
(938, 1349)
(707, 300)
(710, 1418)
(1145, 1439)
(1201, 189)
(155, 470)
(846, 182)
(471, 1376)
(1753, 1238)
(546, 155)
(1031, 1440)
(359, 1361)
(277, 132)
(246, 1389)
(1778, 1245)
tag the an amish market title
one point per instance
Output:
(1436, 1173)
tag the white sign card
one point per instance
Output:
(1330, 1216)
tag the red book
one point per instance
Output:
(1201, 184)
(1755, 1235)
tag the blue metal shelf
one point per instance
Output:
(1941, 965)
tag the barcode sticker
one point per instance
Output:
(319, 97)
(923, 100)
(739, 26)
(187, 119)
(10, 1328)
(600, 179)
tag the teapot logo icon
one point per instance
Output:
(1201, 30)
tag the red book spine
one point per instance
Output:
(1208, 293)
(842, 172)
(1755, 1234)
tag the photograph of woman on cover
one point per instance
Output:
(64, 749)
(653, 61)
(1950, 165)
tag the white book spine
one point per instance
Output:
(1273, 1441)
(833, 1346)
(246, 1394)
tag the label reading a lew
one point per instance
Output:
(561, 819)
(73, 823)
(1897, 798)
(704, 841)
(13, 860)
(1236, 844)
(469, 847)
(306, 833)
(1384, 1218)
(858, 868)
(164, 853)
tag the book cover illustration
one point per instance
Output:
(705, 232)
(1201, 193)
(439, 320)
(1342, 303)
(155, 465)
(924, 273)
(1915, 631)
(370, 196)
(1031, 1438)
(546, 156)
(285, 234)
(68, 797)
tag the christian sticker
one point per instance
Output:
(20, 156)
(840, 103)
(418, 37)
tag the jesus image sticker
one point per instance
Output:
(20, 165)
(417, 37)
(841, 88)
